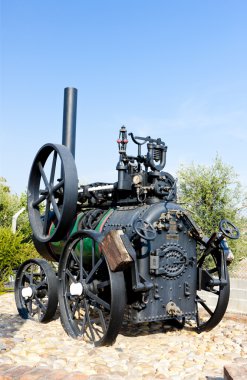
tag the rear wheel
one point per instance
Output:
(213, 291)
(91, 297)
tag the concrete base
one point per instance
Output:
(238, 297)
(235, 372)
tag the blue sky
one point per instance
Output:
(170, 69)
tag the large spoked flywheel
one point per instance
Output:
(91, 297)
(213, 293)
(52, 192)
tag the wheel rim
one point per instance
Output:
(52, 192)
(91, 297)
(229, 229)
(36, 291)
(211, 301)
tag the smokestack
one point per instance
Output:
(69, 118)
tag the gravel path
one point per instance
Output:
(140, 353)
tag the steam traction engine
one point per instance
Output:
(125, 250)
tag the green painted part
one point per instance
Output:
(104, 218)
(87, 246)
(57, 247)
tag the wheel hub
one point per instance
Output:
(27, 292)
(77, 289)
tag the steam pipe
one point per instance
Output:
(69, 118)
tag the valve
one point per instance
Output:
(122, 140)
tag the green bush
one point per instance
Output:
(13, 252)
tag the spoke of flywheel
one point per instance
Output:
(39, 200)
(47, 211)
(57, 186)
(55, 208)
(53, 167)
(43, 175)
(98, 300)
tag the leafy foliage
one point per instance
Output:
(12, 252)
(9, 205)
(239, 247)
(212, 193)
(18, 247)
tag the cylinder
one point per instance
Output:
(69, 118)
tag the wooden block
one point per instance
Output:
(117, 255)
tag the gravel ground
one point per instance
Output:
(147, 351)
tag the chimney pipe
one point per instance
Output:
(69, 118)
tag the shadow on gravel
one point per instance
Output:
(9, 325)
(148, 328)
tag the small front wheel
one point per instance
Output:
(36, 291)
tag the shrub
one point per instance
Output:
(13, 251)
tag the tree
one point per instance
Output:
(9, 205)
(212, 193)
